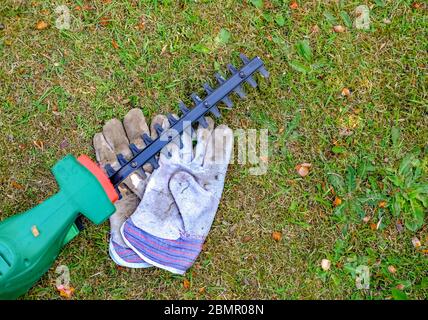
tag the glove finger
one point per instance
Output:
(219, 148)
(186, 152)
(161, 120)
(104, 153)
(115, 135)
(135, 126)
(203, 137)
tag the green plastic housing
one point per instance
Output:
(31, 241)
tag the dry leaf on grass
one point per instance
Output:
(277, 236)
(247, 239)
(325, 264)
(41, 25)
(114, 44)
(345, 92)
(399, 226)
(400, 286)
(416, 5)
(186, 284)
(416, 242)
(142, 23)
(16, 185)
(39, 144)
(294, 5)
(337, 202)
(65, 291)
(382, 204)
(104, 21)
(392, 269)
(303, 169)
(339, 29)
(315, 29)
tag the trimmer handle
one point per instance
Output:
(31, 241)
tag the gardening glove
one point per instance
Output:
(112, 148)
(175, 215)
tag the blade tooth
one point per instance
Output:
(219, 78)
(109, 169)
(207, 88)
(215, 112)
(183, 107)
(203, 122)
(171, 119)
(121, 159)
(118, 192)
(232, 69)
(134, 149)
(158, 129)
(264, 72)
(250, 80)
(226, 100)
(153, 162)
(244, 58)
(195, 98)
(146, 138)
(240, 92)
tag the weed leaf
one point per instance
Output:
(299, 67)
(338, 149)
(351, 179)
(257, 3)
(346, 19)
(337, 182)
(200, 48)
(280, 21)
(398, 294)
(395, 135)
(406, 165)
(223, 36)
(330, 18)
(304, 50)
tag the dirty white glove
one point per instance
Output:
(181, 199)
(112, 145)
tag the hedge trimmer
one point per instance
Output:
(31, 241)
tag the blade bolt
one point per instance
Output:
(134, 164)
(242, 74)
(206, 104)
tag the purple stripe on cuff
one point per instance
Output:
(126, 254)
(179, 254)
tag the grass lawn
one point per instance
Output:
(362, 203)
